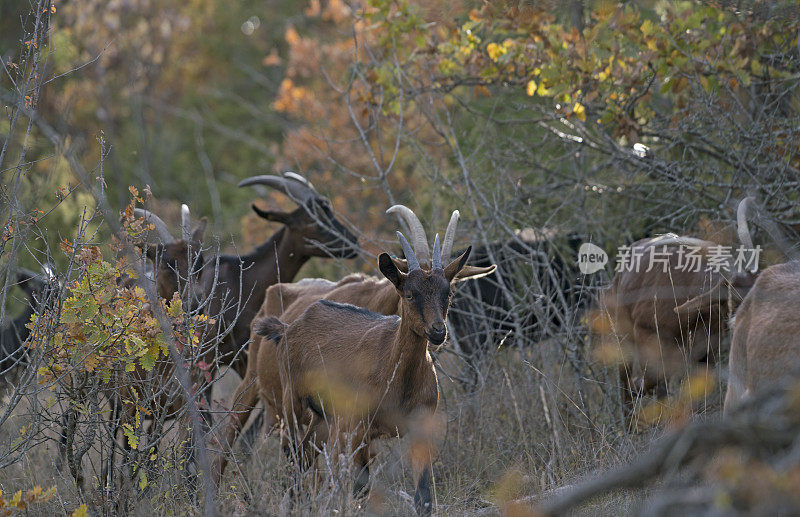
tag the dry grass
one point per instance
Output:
(537, 420)
(532, 425)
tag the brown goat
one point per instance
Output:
(659, 314)
(766, 334)
(288, 301)
(381, 362)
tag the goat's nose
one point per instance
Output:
(437, 333)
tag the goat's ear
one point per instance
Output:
(724, 293)
(391, 271)
(453, 268)
(269, 215)
(401, 264)
(473, 272)
(706, 303)
(199, 230)
(152, 252)
(23, 277)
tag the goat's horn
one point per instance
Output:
(742, 229)
(436, 260)
(450, 236)
(150, 217)
(411, 258)
(301, 192)
(186, 223)
(296, 177)
(49, 272)
(417, 231)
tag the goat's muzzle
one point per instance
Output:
(437, 333)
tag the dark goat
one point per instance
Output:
(14, 333)
(490, 309)
(176, 263)
(236, 288)
(174, 267)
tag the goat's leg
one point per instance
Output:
(251, 434)
(659, 356)
(421, 461)
(293, 418)
(108, 469)
(69, 423)
(362, 457)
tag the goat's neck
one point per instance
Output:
(410, 347)
(262, 268)
(387, 300)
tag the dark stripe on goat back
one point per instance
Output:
(353, 309)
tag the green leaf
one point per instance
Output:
(147, 361)
(647, 28)
(133, 440)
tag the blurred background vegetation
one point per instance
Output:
(543, 102)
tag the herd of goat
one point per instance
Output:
(371, 337)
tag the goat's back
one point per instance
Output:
(341, 338)
(648, 294)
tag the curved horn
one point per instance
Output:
(300, 192)
(450, 236)
(186, 223)
(411, 258)
(418, 236)
(160, 226)
(742, 229)
(49, 272)
(436, 260)
(301, 179)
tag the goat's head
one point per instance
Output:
(729, 292)
(314, 227)
(177, 263)
(38, 286)
(425, 290)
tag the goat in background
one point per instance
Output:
(235, 287)
(656, 316)
(14, 333)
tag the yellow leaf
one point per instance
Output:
(579, 110)
(82, 511)
(291, 36)
(495, 51)
(531, 89)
